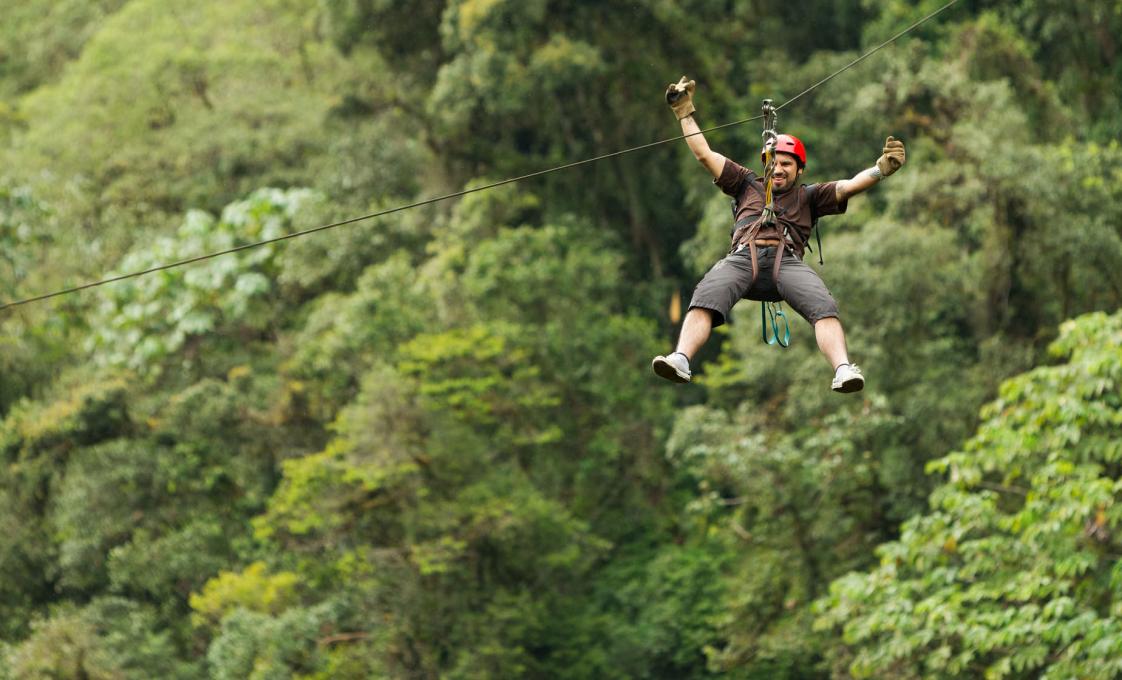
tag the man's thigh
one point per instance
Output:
(723, 286)
(803, 289)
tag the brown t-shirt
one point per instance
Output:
(792, 208)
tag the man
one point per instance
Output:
(751, 269)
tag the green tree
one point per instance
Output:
(107, 639)
(40, 38)
(1014, 570)
(180, 109)
(207, 310)
(30, 340)
(37, 441)
(460, 497)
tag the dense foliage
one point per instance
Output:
(429, 445)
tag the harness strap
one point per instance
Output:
(811, 198)
(766, 217)
(778, 260)
(741, 226)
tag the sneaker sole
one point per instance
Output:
(663, 369)
(850, 386)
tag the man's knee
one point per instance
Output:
(705, 315)
(829, 327)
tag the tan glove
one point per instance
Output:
(892, 157)
(680, 97)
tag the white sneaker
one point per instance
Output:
(674, 367)
(848, 378)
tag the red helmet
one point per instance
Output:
(788, 144)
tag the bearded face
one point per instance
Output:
(786, 173)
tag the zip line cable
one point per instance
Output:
(388, 211)
(465, 192)
(860, 59)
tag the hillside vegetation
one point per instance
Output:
(429, 444)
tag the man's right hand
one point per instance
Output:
(679, 96)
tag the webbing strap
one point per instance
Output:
(772, 312)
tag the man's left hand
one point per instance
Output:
(892, 158)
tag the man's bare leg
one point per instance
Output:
(695, 331)
(831, 340)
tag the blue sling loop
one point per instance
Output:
(772, 312)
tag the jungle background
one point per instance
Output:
(429, 445)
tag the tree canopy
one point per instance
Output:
(429, 444)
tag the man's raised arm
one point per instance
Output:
(680, 98)
(891, 159)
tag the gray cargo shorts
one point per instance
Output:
(728, 282)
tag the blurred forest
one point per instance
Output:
(429, 445)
